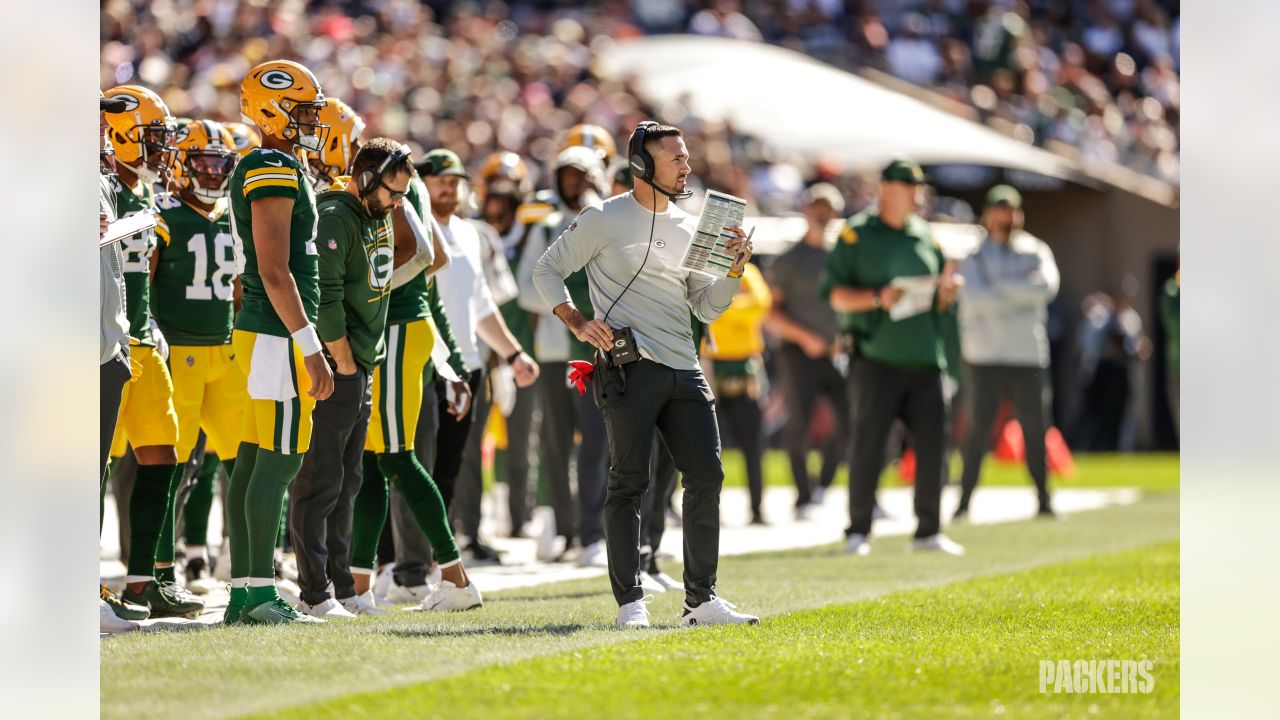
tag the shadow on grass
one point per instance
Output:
(515, 631)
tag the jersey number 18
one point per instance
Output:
(224, 272)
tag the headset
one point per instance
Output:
(369, 180)
(641, 162)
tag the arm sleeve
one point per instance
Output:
(1038, 287)
(332, 228)
(840, 267)
(444, 329)
(709, 297)
(530, 299)
(575, 247)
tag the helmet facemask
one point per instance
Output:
(158, 149)
(304, 128)
(208, 173)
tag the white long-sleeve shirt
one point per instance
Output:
(550, 336)
(610, 239)
(114, 326)
(463, 287)
(1004, 302)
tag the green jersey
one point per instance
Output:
(195, 273)
(271, 173)
(869, 255)
(356, 258)
(137, 251)
(409, 301)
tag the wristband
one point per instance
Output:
(512, 357)
(308, 340)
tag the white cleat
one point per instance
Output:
(667, 581)
(363, 605)
(634, 614)
(408, 593)
(650, 584)
(330, 609)
(936, 543)
(716, 611)
(108, 622)
(449, 597)
(594, 555)
(383, 582)
(857, 544)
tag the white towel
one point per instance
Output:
(270, 377)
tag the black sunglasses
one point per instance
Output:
(395, 194)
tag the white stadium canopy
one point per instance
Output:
(797, 103)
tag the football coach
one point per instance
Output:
(646, 373)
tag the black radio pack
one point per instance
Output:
(624, 349)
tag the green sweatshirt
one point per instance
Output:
(357, 254)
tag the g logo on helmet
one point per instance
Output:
(277, 79)
(130, 102)
(182, 133)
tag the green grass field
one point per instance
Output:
(1147, 471)
(889, 635)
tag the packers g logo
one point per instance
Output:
(183, 131)
(381, 263)
(277, 79)
(130, 102)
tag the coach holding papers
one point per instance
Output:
(646, 373)
(899, 360)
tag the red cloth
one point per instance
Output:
(580, 371)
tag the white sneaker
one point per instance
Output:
(857, 544)
(594, 555)
(550, 545)
(667, 581)
(363, 605)
(937, 543)
(408, 593)
(330, 609)
(434, 577)
(449, 597)
(634, 614)
(108, 622)
(383, 582)
(716, 611)
(650, 584)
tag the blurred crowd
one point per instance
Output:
(1098, 77)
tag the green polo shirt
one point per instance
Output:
(870, 254)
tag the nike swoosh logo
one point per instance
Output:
(279, 163)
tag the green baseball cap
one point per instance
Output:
(1004, 195)
(442, 162)
(903, 170)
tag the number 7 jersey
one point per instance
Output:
(196, 267)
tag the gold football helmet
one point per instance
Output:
(246, 137)
(284, 100)
(142, 134)
(503, 172)
(206, 157)
(345, 127)
(591, 136)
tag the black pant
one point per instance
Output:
(987, 386)
(519, 438)
(321, 498)
(112, 376)
(467, 483)
(805, 380)
(680, 404)
(593, 470)
(741, 417)
(653, 509)
(881, 394)
(452, 433)
(559, 418)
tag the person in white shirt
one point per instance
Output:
(1008, 284)
(474, 316)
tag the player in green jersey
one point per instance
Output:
(143, 136)
(193, 290)
(273, 219)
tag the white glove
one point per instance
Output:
(162, 345)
